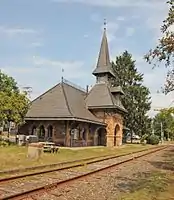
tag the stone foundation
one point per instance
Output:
(114, 127)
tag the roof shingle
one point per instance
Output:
(100, 96)
(103, 64)
(61, 101)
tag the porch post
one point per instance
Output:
(67, 134)
(87, 134)
(46, 133)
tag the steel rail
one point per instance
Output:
(58, 164)
(72, 164)
(51, 186)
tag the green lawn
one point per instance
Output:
(157, 185)
(16, 157)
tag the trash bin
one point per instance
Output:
(21, 140)
(34, 151)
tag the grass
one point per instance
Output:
(157, 185)
(16, 157)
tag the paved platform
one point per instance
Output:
(92, 147)
(78, 148)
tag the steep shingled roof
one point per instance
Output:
(100, 96)
(63, 101)
(103, 64)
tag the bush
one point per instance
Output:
(153, 139)
(5, 142)
(143, 138)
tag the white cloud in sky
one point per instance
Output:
(85, 35)
(16, 31)
(66, 65)
(120, 18)
(130, 31)
(36, 44)
(39, 70)
(42, 73)
(95, 17)
(114, 3)
(160, 101)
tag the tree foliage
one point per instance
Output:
(13, 103)
(166, 119)
(136, 99)
(164, 51)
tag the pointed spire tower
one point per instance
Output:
(103, 70)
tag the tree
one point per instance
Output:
(7, 84)
(136, 99)
(164, 51)
(164, 122)
(13, 103)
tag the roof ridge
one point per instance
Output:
(45, 92)
(73, 85)
(92, 88)
(110, 94)
(66, 100)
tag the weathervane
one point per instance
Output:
(105, 23)
(62, 74)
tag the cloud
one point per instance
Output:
(85, 35)
(130, 31)
(95, 17)
(154, 21)
(66, 65)
(25, 37)
(120, 18)
(16, 31)
(160, 101)
(42, 73)
(36, 44)
(114, 3)
(40, 68)
(17, 70)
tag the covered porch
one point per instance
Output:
(66, 133)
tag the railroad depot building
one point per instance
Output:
(70, 116)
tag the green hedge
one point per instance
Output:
(153, 139)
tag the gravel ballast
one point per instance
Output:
(108, 185)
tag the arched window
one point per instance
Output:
(50, 131)
(33, 131)
(41, 134)
(117, 128)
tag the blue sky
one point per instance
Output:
(40, 37)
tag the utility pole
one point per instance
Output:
(161, 125)
(152, 126)
(162, 133)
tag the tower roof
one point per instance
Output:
(101, 96)
(103, 64)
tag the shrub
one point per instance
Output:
(153, 139)
(143, 138)
(5, 142)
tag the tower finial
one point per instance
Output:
(105, 23)
(62, 75)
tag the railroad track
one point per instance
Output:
(56, 165)
(62, 166)
(20, 188)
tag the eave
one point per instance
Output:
(64, 119)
